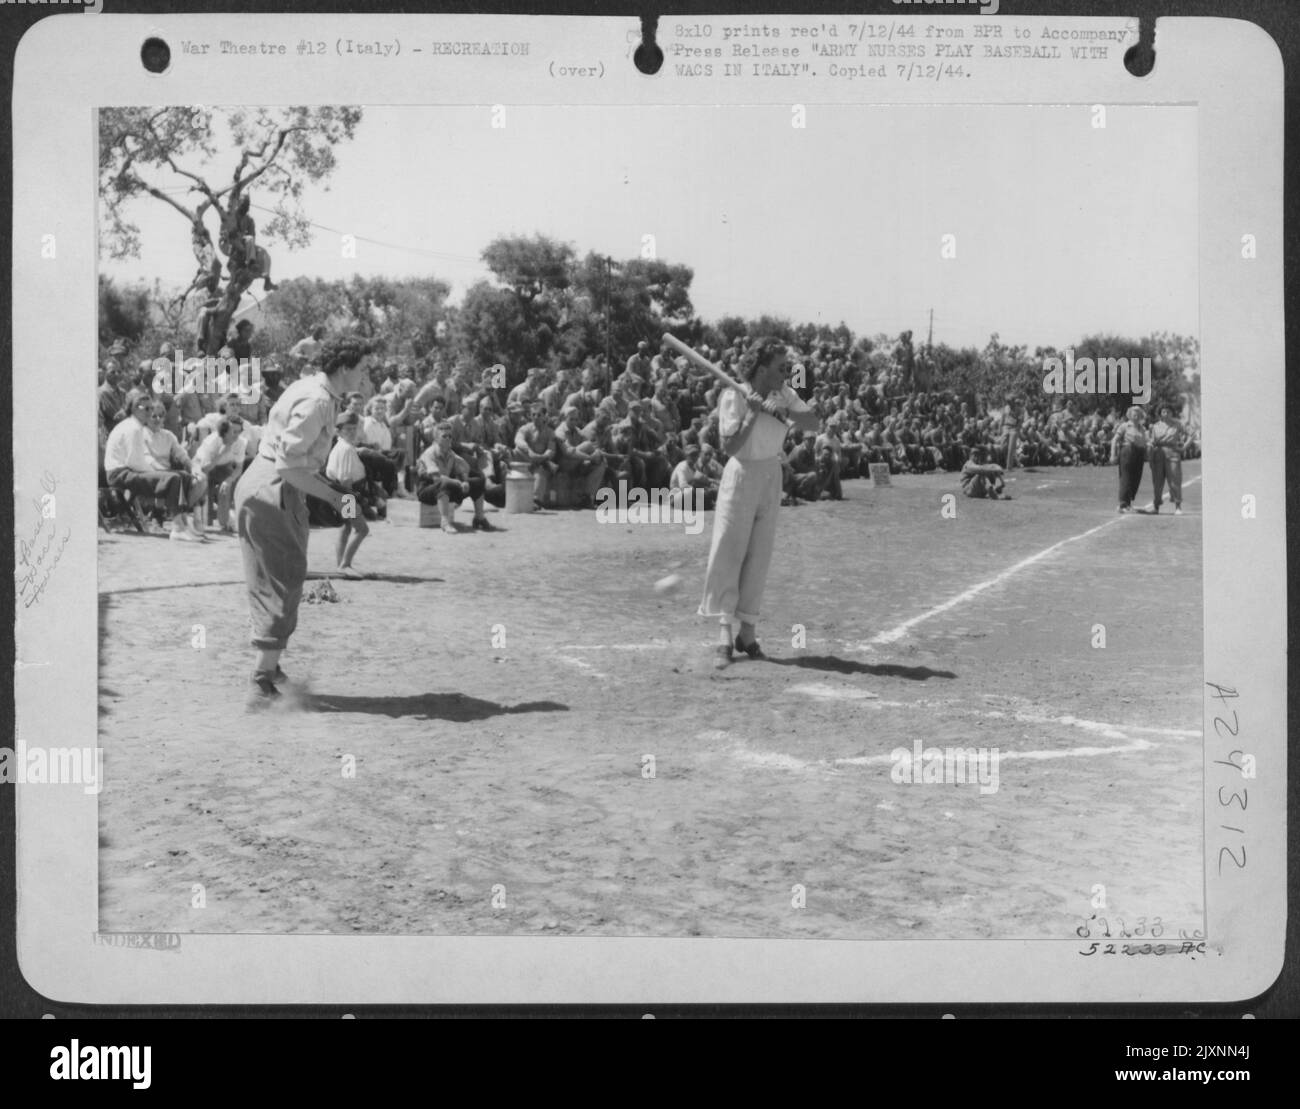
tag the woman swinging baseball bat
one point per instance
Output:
(271, 505)
(752, 421)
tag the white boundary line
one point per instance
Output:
(902, 629)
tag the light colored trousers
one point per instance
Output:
(1166, 468)
(271, 519)
(744, 533)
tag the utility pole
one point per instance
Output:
(609, 308)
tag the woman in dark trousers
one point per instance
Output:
(271, 505)
(1129, 449)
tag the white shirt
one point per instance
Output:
(125, 448)
(158, 447)
(344, 465)
(213, 452)
(208, 424)
(252, 438)
(768, 435)
(306, 348)
(682, 476)
(375, 433)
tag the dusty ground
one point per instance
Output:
(522, 766)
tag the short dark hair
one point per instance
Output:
(759, 355)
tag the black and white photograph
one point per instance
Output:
(895, 636)
(710, 516)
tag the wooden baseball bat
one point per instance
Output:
(703, 363)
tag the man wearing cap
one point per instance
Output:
(527, 390)
(599, 432)
(110, 395)
(1165, 453)
(583, 400)
(981, 478)
(639, 363)
(802, 477)
(554, 395)
(435, 387)
(662, 364)
(643, 446)
(579, 457)
(829, 452)
(536, 445)
(685, 479)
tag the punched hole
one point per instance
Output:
(156, 55)
(1140, 59)
(648, 57)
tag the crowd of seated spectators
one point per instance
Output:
(652, 424)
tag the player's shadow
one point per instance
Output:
(456, 707)
(850, 666)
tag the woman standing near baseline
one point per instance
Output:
(752, 425)
(1129, 449)
(271, 507)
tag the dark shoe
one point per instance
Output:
(279, 677)
(753, 650)
(263, 694)
(722, 657)
(480, 523)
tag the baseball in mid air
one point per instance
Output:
(671, 584)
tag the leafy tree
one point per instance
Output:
(151, 152)
(124, 311)
(530, 266)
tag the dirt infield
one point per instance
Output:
(504, 789)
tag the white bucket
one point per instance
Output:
(519, 492)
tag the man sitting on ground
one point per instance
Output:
(981, 478)
(686, 479)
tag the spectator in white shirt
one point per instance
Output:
(375, 445)
(128, 465)
(308, 350)
(165, 453)
(685, 478)
(347, 472)
(220, 460)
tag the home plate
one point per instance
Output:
(826, 692)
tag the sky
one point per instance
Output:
(1061, 229)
